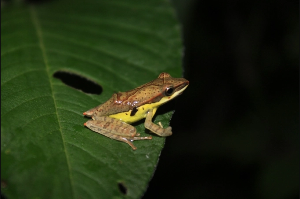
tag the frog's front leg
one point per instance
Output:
(155, 128)
(115, 129)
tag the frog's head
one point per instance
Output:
(170, 87)
(173, 86)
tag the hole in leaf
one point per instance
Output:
(122, 188)
(78, 82)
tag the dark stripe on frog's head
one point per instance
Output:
(133, 112)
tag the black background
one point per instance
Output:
(236, 127)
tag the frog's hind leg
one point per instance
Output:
(114, 136)
(115, 129)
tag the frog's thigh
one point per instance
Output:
(155, 128)
(114, 126)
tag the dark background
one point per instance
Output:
(236, 127)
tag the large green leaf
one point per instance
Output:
(46, 152)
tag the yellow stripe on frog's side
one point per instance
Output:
(143, 110)
(140, 114)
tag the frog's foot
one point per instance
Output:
(130, 140)
(127, 140)
(142, 138)
(157, 129)
(159, 123)
(167, 131)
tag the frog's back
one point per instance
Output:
(109, 107)
(126, 101)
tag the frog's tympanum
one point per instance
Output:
(113, 118)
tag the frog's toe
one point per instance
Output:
(159, 123)
(167, 131)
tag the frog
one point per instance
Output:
(113, 118)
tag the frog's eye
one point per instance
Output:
(169, 91)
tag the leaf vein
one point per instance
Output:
(43, 50)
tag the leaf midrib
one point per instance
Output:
(38, 29)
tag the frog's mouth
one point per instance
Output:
(180, 91)
(181, 88)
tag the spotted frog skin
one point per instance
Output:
(113, 118)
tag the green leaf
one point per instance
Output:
(46, 152)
